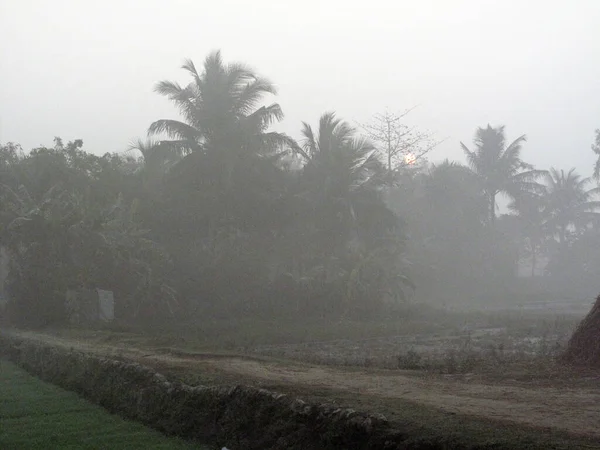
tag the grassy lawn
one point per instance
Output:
(38, 415)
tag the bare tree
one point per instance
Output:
(399, 144)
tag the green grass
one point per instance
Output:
(38, 415)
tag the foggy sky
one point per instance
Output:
(82, 69)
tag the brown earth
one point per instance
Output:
(574, 410)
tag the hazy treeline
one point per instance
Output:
(220, 216)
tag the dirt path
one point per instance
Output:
(574, 410)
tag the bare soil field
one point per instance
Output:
(558, 400)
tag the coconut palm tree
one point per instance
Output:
(352, 228)
(499, 167)
(339, 168)
(221, 111)
(570, 202)
(222, 140)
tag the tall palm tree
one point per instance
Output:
(221, 113)
(499, 167)
(570, 202)
(341, 187)
(223, 141)
(338, 166)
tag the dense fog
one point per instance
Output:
(453, 169)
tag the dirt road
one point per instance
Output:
(575, 410)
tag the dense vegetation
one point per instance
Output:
(220, 216)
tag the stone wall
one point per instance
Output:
(238, 417)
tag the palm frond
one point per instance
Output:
(514, 149)
(273, 141)
(144, 147)
(264, 117)
(309, 143)
(236, 77)
(594, 191)
(252, 94)
(328, 129)
(515, 189)
(189, 66)
(471, 156)
(177, 149)
(213, 62)
(294, 147)
(530, 175)
(173, 90)
(174, 129)
(552, 178)
(184, 97)
(362, 153)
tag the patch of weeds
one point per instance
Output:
(411, 360)
(537, 355)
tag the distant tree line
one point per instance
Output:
(220, 216)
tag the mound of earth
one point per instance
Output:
(584, 347)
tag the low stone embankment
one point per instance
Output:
(238, 417)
